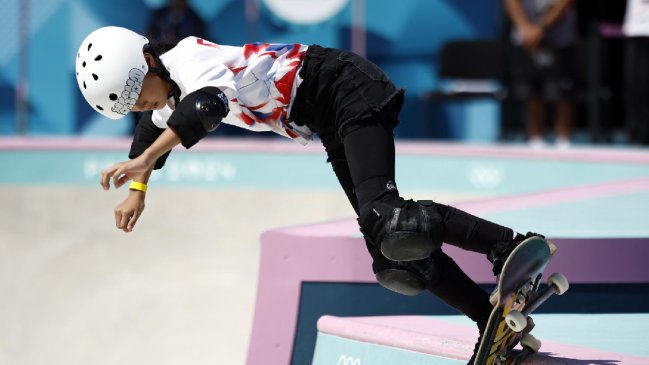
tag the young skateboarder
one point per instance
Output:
(297, 91)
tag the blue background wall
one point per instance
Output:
(402, 37)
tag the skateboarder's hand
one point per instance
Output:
(128, 211)
(122, 172)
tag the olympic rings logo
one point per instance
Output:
(348, 360)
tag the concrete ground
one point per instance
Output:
(179, 289)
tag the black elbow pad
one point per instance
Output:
(199, 113)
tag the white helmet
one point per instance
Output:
(110, 70)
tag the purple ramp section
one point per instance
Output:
(287, 259)
(440, 338)
(333, 252)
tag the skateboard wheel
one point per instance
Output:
(531, 342)
(559, 282)
(516, 321)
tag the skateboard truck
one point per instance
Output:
(557, 284)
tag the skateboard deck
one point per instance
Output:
(518, 282)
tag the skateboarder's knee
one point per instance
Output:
(402, 281)
(408, 278)
(404, 230)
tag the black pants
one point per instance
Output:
(549, 74)
(636, 74)
(354, 158)
(367, 153)
(353, 107)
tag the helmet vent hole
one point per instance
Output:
(83, 64)
(89, 46)
(94, 76)
(98, 58)
(84, 85)
(113, 96)
(100, 108)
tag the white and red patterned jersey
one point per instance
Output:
(260, 81)
(636, 19)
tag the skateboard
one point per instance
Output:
(516, 296)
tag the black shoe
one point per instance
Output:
(481, 329)
(501, 250)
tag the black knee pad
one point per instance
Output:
(404, 230)
(412, 277)
(401, 280)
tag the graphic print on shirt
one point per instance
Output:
(264, 77)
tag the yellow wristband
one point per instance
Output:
(138, 186)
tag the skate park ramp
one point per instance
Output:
(594, 215)
(191, 285)
(310, 273)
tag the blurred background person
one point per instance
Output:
(173, 22)
(168, 25)
(636, 70)
(543, 34)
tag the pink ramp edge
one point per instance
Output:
(440, 338)
(542, 198)
(287, 261)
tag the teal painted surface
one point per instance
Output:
(209, 170)
(462, 175)
(333, 350)
(619, 333)
(501, 176)
(620, 216)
